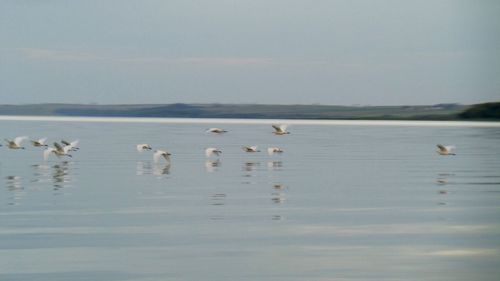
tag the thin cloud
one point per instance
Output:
(58, 55)
(47, 54)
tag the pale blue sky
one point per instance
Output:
(250, 51)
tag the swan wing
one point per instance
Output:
(157, 155)
(58, 147)
(449, 147)
(67, 148)
(18, 140)
(74, 143)
(442, 147)
(277, 128)
(47, 152)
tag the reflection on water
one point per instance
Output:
(15, 187)
(13, 183)
(279, 186)
(218, 199)
(278, 196)
(442, 180)
(249, 169)
(160, 170)
(61, 175)
(211, 165)
(312, 215)
(277, 218)
(274, 165)
(41, 173)
(157, 169)
(143, 168)
(43, 176)
(250, 166)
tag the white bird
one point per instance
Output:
(280, 129)
(250, 149)
(58, 150)
(16, 143)
(212, 151)
(39, 143)
(161, 153)
(445, 150)
(272, 150)
(72, 145)
(143, 146)
(216, 130)
(47, 152)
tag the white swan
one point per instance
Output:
(445, 150)
(16, 143)
(39, 143)
(280, 129)
(160, 153)
(143, 146)
(212, 151)
(272, 150)
(58, 150)
(250, 149)
(72, 145)
(216, 130)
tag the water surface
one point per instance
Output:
(346, 201)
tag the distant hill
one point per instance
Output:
(261, 111)
(490, 110)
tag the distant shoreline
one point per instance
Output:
(437, 112)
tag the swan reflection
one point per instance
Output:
(278, 196)
(143, 168)
(211, 166)
(442, 180)
(250, 166)
(42, 173)
(147, 168)
(160, 170)
(274, 165)
(218, 199)
(13, 183)
(61, 174)
(279, 186)
(15, 186)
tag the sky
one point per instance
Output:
(345, 52)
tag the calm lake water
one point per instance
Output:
(345, 201)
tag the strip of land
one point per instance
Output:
(487, 111)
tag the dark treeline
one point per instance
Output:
(490, 110)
